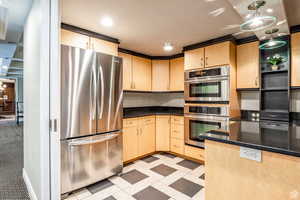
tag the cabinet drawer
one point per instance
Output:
(177, 131)
(177, 120)
(148, 120)
(130, 122)
(194, 152)
(177, 146)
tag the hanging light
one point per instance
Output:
(272, 43)
(257, 22)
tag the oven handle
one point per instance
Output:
(207, 118)
(208, 79)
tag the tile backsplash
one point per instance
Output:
(153, 99)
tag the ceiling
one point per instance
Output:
(144, 26)
(11, 44)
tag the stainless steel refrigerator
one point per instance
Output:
(91, 119)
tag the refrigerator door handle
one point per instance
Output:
(93, 97)
(86, 142)
(101, 79)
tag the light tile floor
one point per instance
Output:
(157, 177)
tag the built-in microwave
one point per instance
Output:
(207, 85)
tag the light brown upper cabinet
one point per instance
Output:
(160, 75)
(103, 46)
(248, 65)
(85, 42)
(74, 39)
(163, 133)
(127, 71)
(141, 73)
(177, 74)
(194, 59)
(217, 54)
(295, 45)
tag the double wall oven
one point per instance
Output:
(206, 108)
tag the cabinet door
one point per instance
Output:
(177, 74)
(141, 73)
(177, 146)
(217, 54)
(295, 45)
(103, 46)
(248, 65)
(194, 59)
(127, 71)
(162, 133)
(74, 39)
(130, 143)
(160, 75)
(194, 152)
(147, 135)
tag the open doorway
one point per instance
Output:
(13, 16)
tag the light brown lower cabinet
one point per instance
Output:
(145, 135)
(177, 135)
(194, 152)
(138, 137)
(162, 133)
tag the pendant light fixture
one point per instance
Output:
(272, 43)
(258, 21)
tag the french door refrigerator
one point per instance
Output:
(91, 119)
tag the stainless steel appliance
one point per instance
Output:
(199, 119)
(203, 85)
(91, 120)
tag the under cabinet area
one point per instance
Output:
(248, 65)
(74, 39)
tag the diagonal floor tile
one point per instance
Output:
(167, 155)
(99, 186)
(163, 170)
(202, 176)
(150, 193)
(133, 176)
(150, 159)
(187, 187)
(110, 198)
(189, 164)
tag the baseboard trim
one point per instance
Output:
(29, 187)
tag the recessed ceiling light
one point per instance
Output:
(168, 46)
(107, 21)
(269, 10)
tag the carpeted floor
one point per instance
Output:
(12, 186)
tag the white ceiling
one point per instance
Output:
(293, 13)
(145, 25)
(17, 14)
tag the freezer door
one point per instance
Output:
(78, 92)
(90, 159)
(110, 93)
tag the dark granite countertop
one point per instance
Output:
(152, 110)
(278, 137)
